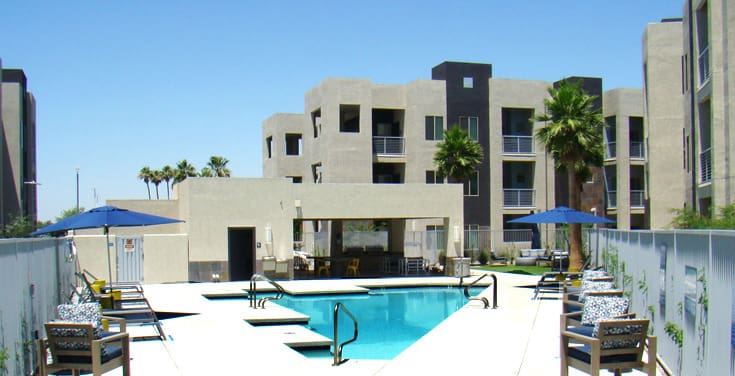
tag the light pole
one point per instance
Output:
(77, 190)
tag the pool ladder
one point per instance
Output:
(482, 298)
(253, 291)
(335, 342)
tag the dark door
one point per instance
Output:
(241, 253)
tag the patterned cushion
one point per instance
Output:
(70, 332)
(590, 274)
(598, 308)
(618, 330)
(79, 313)
(594, 286)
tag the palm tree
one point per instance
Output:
(167, 173)
(145, 175)
(206, 172)
(218, 165)
(573, 137)
(156, 178)
(184, 170)
(458, 155)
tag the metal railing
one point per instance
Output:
(637, 199)
(704, 71)
(253, 291)
(513, 198)
(336, 346)
(610, 150)
(481, 298)
(612, 199)
(388, 145)
(518, 144)
(637, 150)
(705, 166)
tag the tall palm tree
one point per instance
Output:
(156, 178)
(218, 165)
(184, 170)
(206, 172)
(145, 175)
(167, 173)
(573, 136)
(458, 155)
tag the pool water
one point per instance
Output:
(389, 320)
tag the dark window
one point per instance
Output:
(433, 177)
(349, 118)
(434, 128)
(470, 125)
(269, 145)
(293, 144)
(471, 185)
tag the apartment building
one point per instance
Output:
(708, 135)
(355, 131)
(18, 149)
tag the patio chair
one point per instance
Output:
(79, 347)
(353, 268)
(497, 260)
(595, 309)
(615, 345)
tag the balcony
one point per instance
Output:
(705, 166)
(519, 198)
(389, 146)
(637, 150)
(518, 144)
(637, 199)
(612, 199)
(704, 71)
(610, 152)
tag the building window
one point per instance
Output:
(468, 83)
(316, 121)
(433, 177)
(471, 237)
(269, 146)
(434, 128)
(471, 185)
(316, 172)
(296, 179)
(469, 124)
(293, 143)
(349, 118)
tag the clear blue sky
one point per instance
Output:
(125, 84)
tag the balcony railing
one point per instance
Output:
(388, 145)
(637, 150)
(637, 199)
(610, 151)
(612, 199)
(518, 144)
(704, 71)
(705, 166)
(514, 198)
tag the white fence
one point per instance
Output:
(683, 281)
(35, 276)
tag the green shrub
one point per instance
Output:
(484, 257)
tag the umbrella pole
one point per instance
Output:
(109, 264)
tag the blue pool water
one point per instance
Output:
(389, 320)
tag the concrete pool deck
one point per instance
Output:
(520, 337)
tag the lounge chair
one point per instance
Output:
(615, 345)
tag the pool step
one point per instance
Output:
(295, 336)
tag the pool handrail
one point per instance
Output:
(253, 291)
(335, 342)
(482, 298)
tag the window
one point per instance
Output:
(471, 237)
(468, 82)
(469, 124)
(293, 143)
(316, 121)
(471, 185)
(296, 179)
(434, 128)
(349, 118)
(433, 177)
(316, 172)
(269, 145)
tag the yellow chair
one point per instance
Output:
(323, 267)
(353, 268)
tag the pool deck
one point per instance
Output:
(520, 337)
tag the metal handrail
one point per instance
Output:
(253, 291)
(335, 342)
(481, 298)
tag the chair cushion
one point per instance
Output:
(618, 330)
(585, 330)
(111, 353)
(83, 312)
(588, 274)
(582, 353)
(597, 308)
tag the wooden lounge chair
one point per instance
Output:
(77, 347)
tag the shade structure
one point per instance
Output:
(105, 217)
(561, 214)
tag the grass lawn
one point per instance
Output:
(536, 270)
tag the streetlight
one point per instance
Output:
(77, 190)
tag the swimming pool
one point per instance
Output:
(390, 320)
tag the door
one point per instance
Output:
(241, 253)
(130, 258)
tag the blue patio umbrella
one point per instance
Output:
(105, 217)
(561, 214)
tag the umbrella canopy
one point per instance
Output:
(105, 217)
(561, 214)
